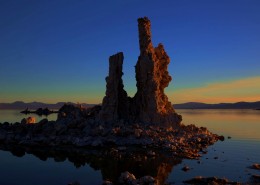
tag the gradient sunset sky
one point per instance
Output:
(58, 50)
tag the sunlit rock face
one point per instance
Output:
(29, 120)
(150, 105)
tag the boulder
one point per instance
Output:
(127, 178)
(29, 120)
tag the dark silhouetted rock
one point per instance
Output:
(210, 180)
(221, 138)
(255, 166)
(70, 112)
(185, 168)
(115, 103)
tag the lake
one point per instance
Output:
(228, 159)
(13, 116)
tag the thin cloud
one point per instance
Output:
(247, 89)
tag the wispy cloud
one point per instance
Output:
(247, 89)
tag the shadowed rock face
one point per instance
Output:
(149, 105)
(115, 103)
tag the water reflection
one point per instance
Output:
(240, 124)
(110, 162)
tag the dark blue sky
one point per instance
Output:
(57, 50)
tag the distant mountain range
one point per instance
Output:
(36, 105)
(189, 105)
(238, 105)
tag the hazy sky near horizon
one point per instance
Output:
(54, 51)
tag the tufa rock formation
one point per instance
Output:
(150, 105)
(114, 106)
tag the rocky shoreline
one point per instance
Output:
(75, 130)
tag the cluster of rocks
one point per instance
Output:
(75, 128)
(129, 179)
(39, 111)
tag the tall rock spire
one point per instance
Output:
(150, 105)
(114, 106)
(145, 36)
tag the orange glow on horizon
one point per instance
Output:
(247, 89)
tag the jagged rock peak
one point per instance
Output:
(145, 42)
(114, 104)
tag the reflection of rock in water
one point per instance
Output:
(111, 162)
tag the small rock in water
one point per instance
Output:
(255, 166)
(107, 182)
(229, 137)
(256, 176)
(221, 138)
(185, 168)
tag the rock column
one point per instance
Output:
(151, 104)
(114, 106)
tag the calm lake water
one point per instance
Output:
(228, 159)
(13, 116)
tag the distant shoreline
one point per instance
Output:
(238, 105)
(20, 105)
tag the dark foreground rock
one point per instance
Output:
(127, 178)
(210, 180)
(255, 179)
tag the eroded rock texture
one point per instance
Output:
(150, 105)
(115, 103)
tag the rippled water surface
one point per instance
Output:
(228, 159)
